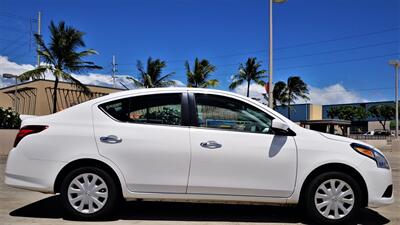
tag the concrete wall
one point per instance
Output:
(396, 145)
(375, 125)
(315, 112)
(7, 137)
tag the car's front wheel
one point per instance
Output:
(88, 193)
(333, 198)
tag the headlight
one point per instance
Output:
(380, 159)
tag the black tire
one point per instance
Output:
(109, 204)
(310, 192)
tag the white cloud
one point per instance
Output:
(333, 94)
(106, 80)
(7, 66)
(256, 91)
(179, 83)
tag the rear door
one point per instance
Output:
(146, 137)
(234, 151)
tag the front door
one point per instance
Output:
(144, 137)
(234, 152)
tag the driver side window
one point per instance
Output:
(220, 112)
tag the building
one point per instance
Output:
(36, 97)
(308, 112)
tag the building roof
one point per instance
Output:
(326, 122)
(63, 82)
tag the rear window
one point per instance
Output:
(148, 109)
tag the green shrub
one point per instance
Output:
(9, 119)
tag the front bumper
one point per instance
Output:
(31, 174)
(377, 180)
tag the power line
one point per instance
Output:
(291, 46)
(339, 50)
(338, 61)
(340, 38)
(14, 42)
(12, 29)
(14, 16)
(297, 66)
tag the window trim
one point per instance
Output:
(184, 109)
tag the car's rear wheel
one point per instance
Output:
(333, 198)
(89, 193)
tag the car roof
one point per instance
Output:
(171, 90)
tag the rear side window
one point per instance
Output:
(116, 109)
(149, 109)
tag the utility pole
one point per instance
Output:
(270, 69)
(39, 33)
(114, 69)
(396, 64)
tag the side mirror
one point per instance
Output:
(279, 126)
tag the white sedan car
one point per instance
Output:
(186, 144)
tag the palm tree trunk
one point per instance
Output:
(248, 88)
(55, 95)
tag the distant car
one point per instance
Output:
(185, 144)
(378, 133)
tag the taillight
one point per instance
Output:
(27, 130)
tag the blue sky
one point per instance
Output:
(326, 42)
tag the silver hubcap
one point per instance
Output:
(87, 193)
(334, 199)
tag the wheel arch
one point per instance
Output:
(86, 162)
(336, 167)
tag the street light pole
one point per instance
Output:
(270, 69)
(396, 64)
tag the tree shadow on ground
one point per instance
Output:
(169, 211)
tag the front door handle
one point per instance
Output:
(111, 139)
(210, 145)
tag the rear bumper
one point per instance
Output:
(31, 174)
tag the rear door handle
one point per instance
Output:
(111, 139)
(210, 145)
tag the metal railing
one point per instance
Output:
(371, 137)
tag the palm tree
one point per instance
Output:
(199, 76)
(61, 58)
(288, 93)
(279, 93)
(151, 77)
(249, 72)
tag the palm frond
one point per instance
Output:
(36, 73)
(210, 83)
(136, 82)
(167, 83)
(87, 53)
(236, 83)
(75, 82)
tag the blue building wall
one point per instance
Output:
(298, 112)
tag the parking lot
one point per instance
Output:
(25, 207)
